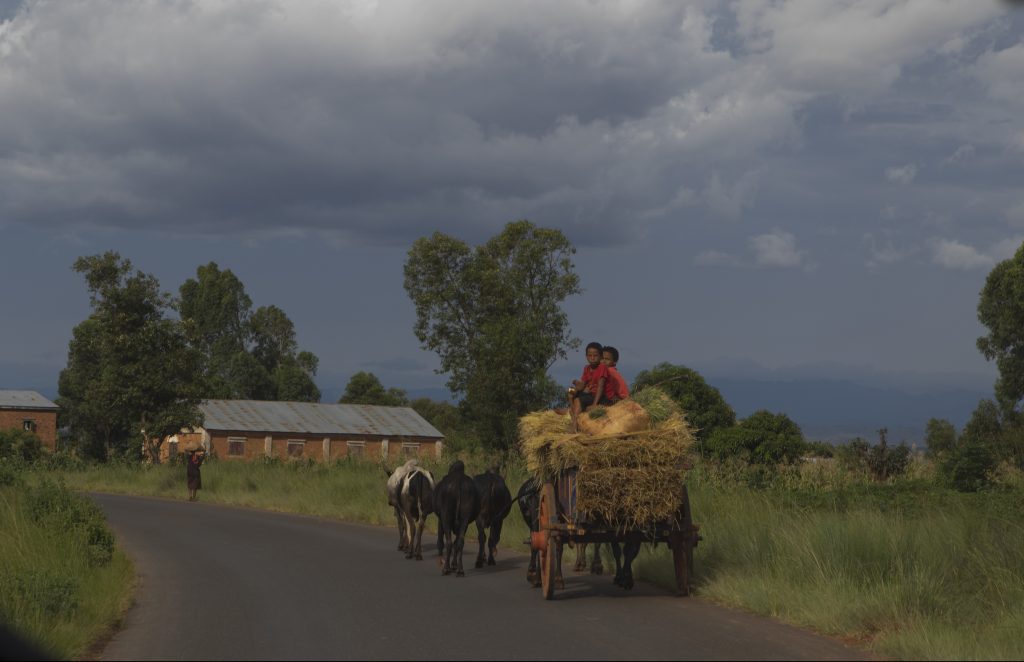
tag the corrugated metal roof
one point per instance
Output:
(24, 400)
(315, 418)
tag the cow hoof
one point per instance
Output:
(597, 570)
(460, 573)
(491, 561)
(627, 584)
(579, 567)
(479, 563)
(419, 557)
(408, 555)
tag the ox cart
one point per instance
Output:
(559, 523)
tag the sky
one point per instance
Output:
(753, 187)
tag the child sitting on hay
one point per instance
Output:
(615, 388)
(590, 388)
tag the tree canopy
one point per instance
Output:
(493, 315)
(246, 354)
(1001, 310)
(761, 438)
(130, 367)
(364, 388)
(704, 405)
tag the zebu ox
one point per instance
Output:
(456, 503)
(416, 500)
(529, 505)
(495, 503)
(596, 566)
(395, 479)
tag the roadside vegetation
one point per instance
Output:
(64, 584)
(910, 553)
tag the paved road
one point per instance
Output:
(230, 583)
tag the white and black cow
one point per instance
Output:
(416, 501)
(395, 478)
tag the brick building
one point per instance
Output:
(28, 410)
(251, 429)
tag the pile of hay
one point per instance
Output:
(624, 479)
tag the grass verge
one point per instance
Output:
(63, 582)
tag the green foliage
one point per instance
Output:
(20, 444)
(52, 504)
(705, 408)
(130, 368)
(940, 436)
(364, 388)
(763, 438)
(246, 354)
(1001, 310)
(880, 461)
(968, 467)
(493, 315)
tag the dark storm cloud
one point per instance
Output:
(367, 123)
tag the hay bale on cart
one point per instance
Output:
(629, 460)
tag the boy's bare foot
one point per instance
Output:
(561, 411)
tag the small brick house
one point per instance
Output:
(30, 411)
(250, 429)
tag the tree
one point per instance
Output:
(364, 388)
(940, 436)
(131, 374)
(1001, 310)
(20, 444)
(246, 354)
(493, 315)
(704, 405)
(762, 438)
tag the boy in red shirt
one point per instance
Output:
(615, 387)
(590, 387)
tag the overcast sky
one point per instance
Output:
(787, 183)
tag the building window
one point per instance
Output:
(296, 447)
(29, 425)
(236, 445)
(172, 450)
(410, 449)
(356, 448)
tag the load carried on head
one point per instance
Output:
(630, 457)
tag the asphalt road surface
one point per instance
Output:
(220, 583)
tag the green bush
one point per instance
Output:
(52, 594)
(54, 505)
(20, 444)
(880, 461)
(968, 467)
(762, 438)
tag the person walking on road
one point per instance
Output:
(195, 478)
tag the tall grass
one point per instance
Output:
(62, 584)
(908, 569)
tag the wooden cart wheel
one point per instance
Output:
(549, 555)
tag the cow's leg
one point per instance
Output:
(631, 551)
(492, 542)
(581, 557)
(481, 536)
(401, 528)
(533, 573)
(460, 543)
(596, 567)
(419, 537)
(448, 550)
(410, 533)
(617, 555)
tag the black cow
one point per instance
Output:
(456, 503)
(624, 576)
(416, 500)
(529, 505)
(495, 502)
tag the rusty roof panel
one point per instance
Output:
(315, 418)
